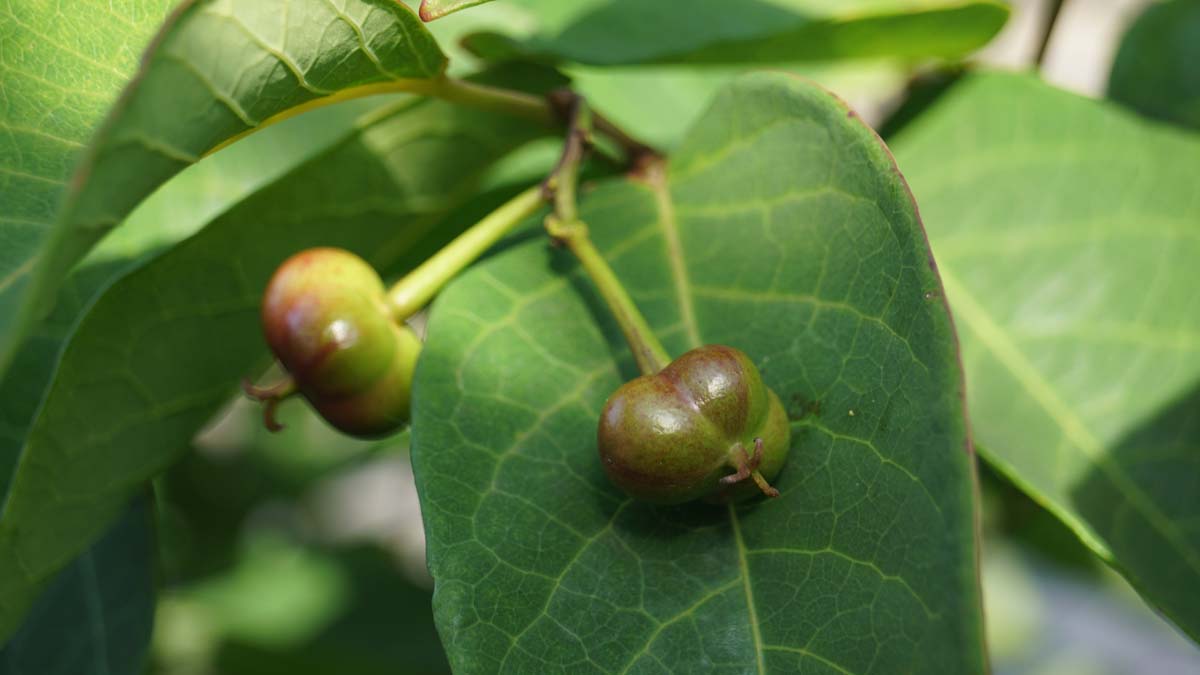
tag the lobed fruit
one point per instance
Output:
(325, 317)
(699, 428)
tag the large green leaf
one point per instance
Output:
(616, 32)
(57, 88)
(1066, 233)
(216, 69)
(97, 615)
(157, 354)
(1157, 69)
(784, 229)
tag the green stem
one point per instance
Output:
(418, 287)
(649, 353)
(566, 227)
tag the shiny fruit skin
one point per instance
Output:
(325, 317)
(670, 437)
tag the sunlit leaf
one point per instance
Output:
(1066, 234)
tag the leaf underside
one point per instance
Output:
(1065, 231)
(783, 229)
(164, 347)
(216, 69)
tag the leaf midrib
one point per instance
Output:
(665, 207)
(747, 588)
(1006, 352)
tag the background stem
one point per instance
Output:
(419, 286)
(483, 97)
(1053, 9)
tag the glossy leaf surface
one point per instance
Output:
(781, 228)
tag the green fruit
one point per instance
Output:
(706, 426)
(325, 317)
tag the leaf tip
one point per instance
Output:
(431, 9)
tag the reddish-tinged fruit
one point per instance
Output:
(706, 426)
(325, 317)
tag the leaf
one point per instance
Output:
(190, 200)
(56, 89)
(436, 9)
(217, 68)
(626, 32)
(784, 229)
(156, 355)
(681, 93)
(96, 616)
(1065, 231)
(1157, 68)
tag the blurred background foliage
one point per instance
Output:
(302, 552)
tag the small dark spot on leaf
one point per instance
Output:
(800, 407)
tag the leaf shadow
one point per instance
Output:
(658, 523)
(1143, 500)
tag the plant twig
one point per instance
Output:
(567, 229)
(637, 154)
(1053, 10)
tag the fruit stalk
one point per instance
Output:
(415, 290)
(567, 229)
